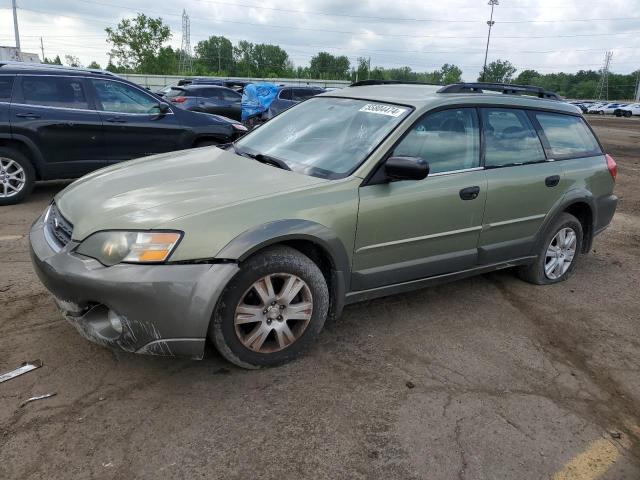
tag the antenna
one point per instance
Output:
(603, 85)
(186, 65)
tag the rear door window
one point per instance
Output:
(568, 136)
(230, 96)
(510, 139)
(54, 91)
(208, 93)
(300, 94)
(6, 84)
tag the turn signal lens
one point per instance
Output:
(152, 247)
(612, 166)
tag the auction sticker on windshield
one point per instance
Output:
(380, 109)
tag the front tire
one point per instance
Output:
(558, 255)
(17, 177)
(271, 310)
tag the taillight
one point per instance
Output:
(179, 99)
(612, 166)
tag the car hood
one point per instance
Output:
(148, 192)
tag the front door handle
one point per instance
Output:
(116, 120)
(28, 115)
(552, 181)
(469, 193)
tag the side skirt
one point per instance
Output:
(362, 295)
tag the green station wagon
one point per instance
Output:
(355, 194)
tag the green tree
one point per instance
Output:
(55, 61)
(499, 71)
(136, 42)
(215, 54)
(94, 64)
(269, 60)
(72, 61)
(243, 55)
(325, 65)
(450, 74)
(527, 77)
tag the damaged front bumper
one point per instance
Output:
(152, 309)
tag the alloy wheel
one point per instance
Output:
(273, 313)
(12, 177)
(560, 253)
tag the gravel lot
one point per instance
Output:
(508, 380)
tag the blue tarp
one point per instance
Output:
(257, 98)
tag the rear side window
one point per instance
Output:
(568, 136)
(510, 139)
(52, 91)
(6, 84)
(208, 93)
(449, 140)
(285, 94)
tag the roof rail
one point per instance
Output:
(505, 88)
(52, 66)
(364, 83)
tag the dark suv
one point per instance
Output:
(58, 122)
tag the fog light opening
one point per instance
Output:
(115, 321)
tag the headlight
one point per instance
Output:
(111, 248)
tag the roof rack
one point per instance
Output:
(53, 66)
(506, 88)
(365, 83)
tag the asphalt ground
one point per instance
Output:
(486, 378)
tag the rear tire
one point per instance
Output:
(561, 244)
(628, 114)
(272, 310)
(17, 176)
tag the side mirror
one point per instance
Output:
(163, 108)
(406, 168)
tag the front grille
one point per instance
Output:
(59, 228)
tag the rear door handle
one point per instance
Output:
(469, 193)
(116, 120)
(552, 181)
(27, 115)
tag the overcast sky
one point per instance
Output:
(546, 35)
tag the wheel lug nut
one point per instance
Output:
(264, 311)
(280, 317)
(281, 307)
(269, 321)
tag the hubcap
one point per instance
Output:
(560, 253)
(273, 313)
(12, 177)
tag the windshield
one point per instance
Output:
(325, 137)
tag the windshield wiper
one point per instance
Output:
(262, 158)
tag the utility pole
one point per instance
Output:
(491, 23)
(637, 96)
(369, 69)
(42, 49)
(186, 65)
(15, 28)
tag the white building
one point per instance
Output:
(11, 54)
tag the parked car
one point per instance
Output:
(237, 85)
(58, 122)
(207, 98)
(285, 98)
(629, 110)
(290, 96)
(348, 196)
(608, 108)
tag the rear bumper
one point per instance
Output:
(605, 209)
(152, 309)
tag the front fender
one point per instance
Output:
(257, 238)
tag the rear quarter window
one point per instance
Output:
(568, 136)
(6, 84)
